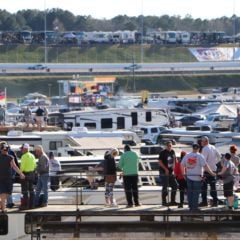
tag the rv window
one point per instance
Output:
(90, 125)
(144, 130)
(148, 116)
(120, 123)
(106, 123)
(54, 145)
(134, 118)
(3, 225)
(154, 130)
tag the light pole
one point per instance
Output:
(49, 89)
(132, 68)
(142, 35)
(45, 35)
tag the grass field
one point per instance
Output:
(98, 53)
(18, 86)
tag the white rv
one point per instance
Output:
(111, 119)
(168, 36)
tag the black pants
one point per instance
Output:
(208, 179)
(28, 189)
(182, 186)
(131, 189)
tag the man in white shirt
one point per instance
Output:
(212, 157)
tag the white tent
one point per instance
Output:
(227, 109)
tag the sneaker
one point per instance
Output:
(180, 205)
(43, 205)
(202, 204)
(10, 205)
(165, 204)
(113, 205)
(23, 208)
(214, 205)
(138, 205)
(107, 205)
(173, 203)
(129, 206)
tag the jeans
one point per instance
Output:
(42, 186)
(169, 181)
(27, 185)
(211, 180)
(193, 190)
(131, 189)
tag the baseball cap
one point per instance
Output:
(25, 146)
(4, 146)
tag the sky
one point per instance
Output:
(100, 9)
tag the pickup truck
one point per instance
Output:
(216, 121)
(151, 133)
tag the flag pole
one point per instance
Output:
(5, 92)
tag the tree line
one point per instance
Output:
(62, 20)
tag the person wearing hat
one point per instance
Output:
(27, 166)
(193, 165)
(6, 165)
(129, 164)
(43, 177)
(212, 157)
(167, 161)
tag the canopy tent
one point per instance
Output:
(35, 95)
(228, 109)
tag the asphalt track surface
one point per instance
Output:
(122, 67)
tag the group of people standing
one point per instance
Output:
(129, 165)
(40, 117)
(191, 174)
(35, 170)
(194, 171)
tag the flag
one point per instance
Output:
(3, 97)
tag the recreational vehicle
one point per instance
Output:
(111, 119)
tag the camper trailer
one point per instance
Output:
(111, 119)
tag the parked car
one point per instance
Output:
(190, 120)
(38, 67)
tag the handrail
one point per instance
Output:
(87, 188)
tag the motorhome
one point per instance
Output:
(168, 36)
(71, 143)
(183, 37)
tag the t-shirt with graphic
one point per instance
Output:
(228, 175)
(168, 158)
(194, 163)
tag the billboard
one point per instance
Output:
(215, 54)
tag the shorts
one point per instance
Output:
(228, 189)
(6, 186)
